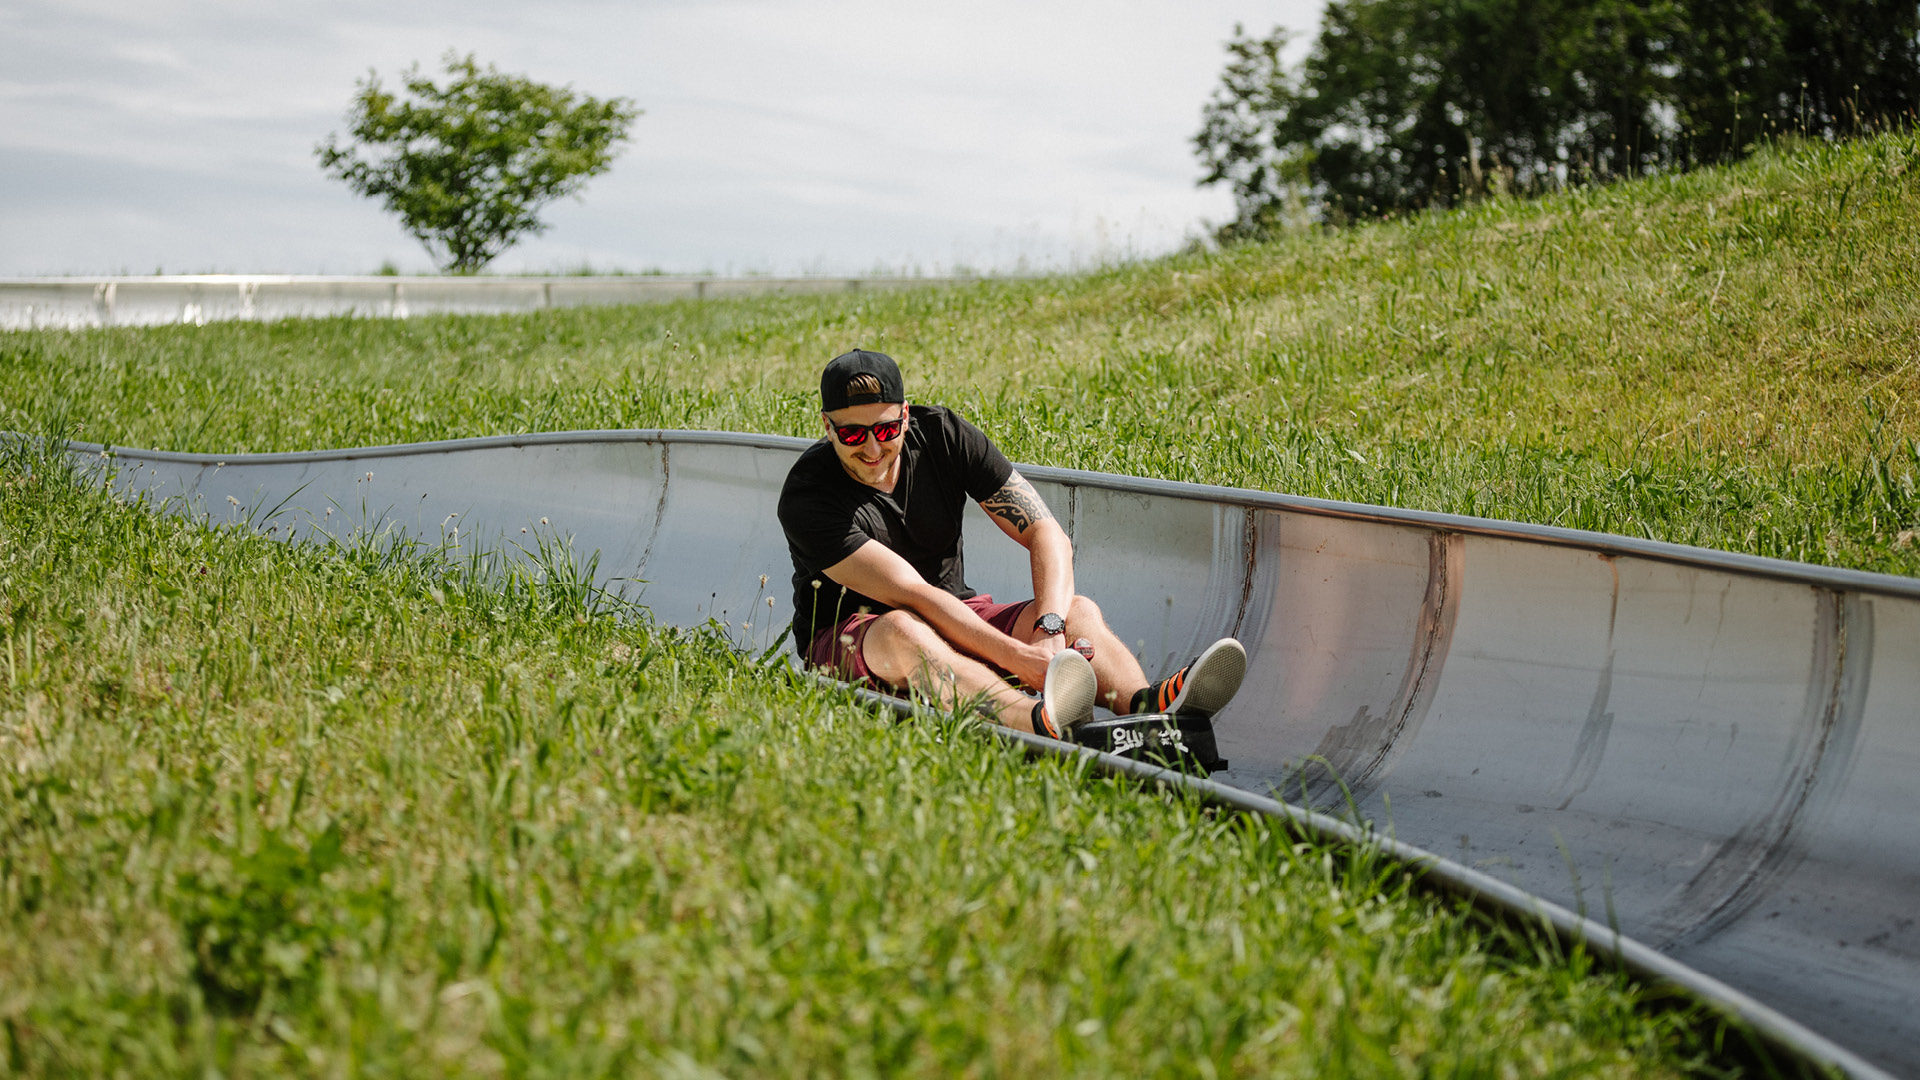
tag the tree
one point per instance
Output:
(468, 167)
(1408, 104)
(1405, 104)
(1241, 141)
(1823, 68)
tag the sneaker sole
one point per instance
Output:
(1070, 691)
(1213, 679)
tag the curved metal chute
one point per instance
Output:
(1713, 760)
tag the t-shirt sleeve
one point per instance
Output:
(820, 533)
(984, 469)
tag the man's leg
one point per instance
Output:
(901, 649)
(1113, 663)
(1204, 686)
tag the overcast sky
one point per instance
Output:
(836, 137)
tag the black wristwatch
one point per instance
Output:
(1050, 624)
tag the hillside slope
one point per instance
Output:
(1726, 358)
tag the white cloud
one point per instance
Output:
(778, 136)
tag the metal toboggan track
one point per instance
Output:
(1706, 764)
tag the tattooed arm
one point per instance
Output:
(1017, 509)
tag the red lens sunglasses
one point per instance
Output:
(884, 431)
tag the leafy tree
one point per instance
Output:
(1245, 137)
(1828, 69)
(469, 166)
(1406, 104)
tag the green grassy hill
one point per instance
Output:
(1726, 358)
(271, 810)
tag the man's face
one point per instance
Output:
(871, 462)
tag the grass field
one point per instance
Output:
(279, 810)
(1726, 358)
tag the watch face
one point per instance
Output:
(1051, 624)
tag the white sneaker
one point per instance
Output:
(1203, 687)
(1068, 699)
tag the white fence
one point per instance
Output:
(70, 303)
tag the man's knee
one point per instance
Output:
(903, 626)
(900, 642)
(1084, 612)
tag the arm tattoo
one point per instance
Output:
(1017, 503)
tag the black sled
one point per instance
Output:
(1181, 743)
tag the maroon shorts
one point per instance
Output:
(838, 648)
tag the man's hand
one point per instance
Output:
(1034, 656)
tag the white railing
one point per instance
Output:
(197, 299)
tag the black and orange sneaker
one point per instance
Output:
(1067, 701)
(1202, 688)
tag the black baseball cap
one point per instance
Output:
(848, 366)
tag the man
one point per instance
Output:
(872, 516)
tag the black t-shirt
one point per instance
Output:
(828, 515)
